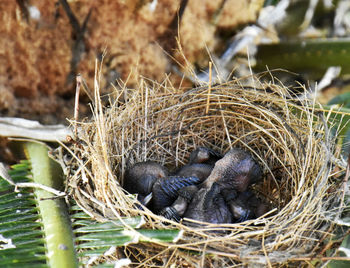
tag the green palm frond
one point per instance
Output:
(25, 237)
(96, 239)
(21, 235)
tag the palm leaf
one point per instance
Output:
(21, 234)
(27, 240)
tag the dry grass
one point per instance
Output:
(158, 122)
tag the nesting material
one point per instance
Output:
(287, 136)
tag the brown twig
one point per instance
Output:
(168, 38)
(321, 258)
(209, 88)
(78, 33)
(23, 5)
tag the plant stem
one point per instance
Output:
(53, 210)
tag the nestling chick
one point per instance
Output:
(178, 208)
(203, 155)
(209, 206)
(231, 176)
(166, 190)
(246, 206)
(140, 178)
(235, 171)
(201, 171)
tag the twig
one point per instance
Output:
(40, 186)
(72, 18)
(224, 122)
(345, 183)
(168, 38)
(76, 105)
(86, 89)
(321, 258)
(209, 88)
(78, 47)
(23, 5)
(264, 250)
(174, 24)
(23, 128)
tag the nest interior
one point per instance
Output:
(286, 135)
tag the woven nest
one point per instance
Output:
(285, 135)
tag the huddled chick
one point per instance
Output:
(140, 178)
(210, 188)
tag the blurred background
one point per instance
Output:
(44, 44)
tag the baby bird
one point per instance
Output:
(235, 171)
(201, 163)
(140, 178)
(179, 207)
(246, 206)
(201, 171)
(208, 205)
(213, 200)
(204, 155)
(166, 190)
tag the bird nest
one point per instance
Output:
(287, 136)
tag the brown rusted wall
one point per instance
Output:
(35, 54)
